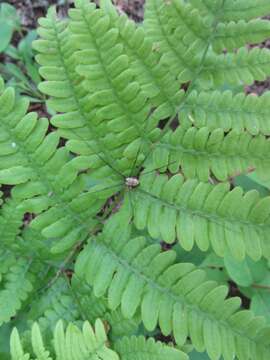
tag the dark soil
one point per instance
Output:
(31, 10)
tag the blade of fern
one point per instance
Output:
(125, 100)
(188, 243)
(194, 79)
(244, 66)
(15, 288)
(198, 152)
(234, 10)
(148, 70)
(179, 54)
(227, 111)
(11, 219)
(206, 58)
(139, 348)
(237, 34)
(160, 86)
(40, 184)
(172, 289)
(61, 57)
(217, 216)
(67, 63)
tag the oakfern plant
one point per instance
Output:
(149, 122)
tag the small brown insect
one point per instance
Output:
(132, 182)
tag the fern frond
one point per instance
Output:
(88, 343)
(110, 108)
(15, 288)
(31, 160)
(14, 168)
(198, 152)
(243, 67)
(11, 219)
(173, 295)
(237, 34)
(179, 33)
(118, 102)
(7, 261)
(205, 214)
(234, 10)
(227, 111)
(58, 63)
(138, 348)
(155, 80)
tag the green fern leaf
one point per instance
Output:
(199, 151)
(236, 34)
(227, 111)
(131, 348)
(234, 10)
(118, 101)
(180, 34)
(159, 84)
(15, 289)
(236, 68)
(44, 172)
(58, 63)
(205, 214)
(89, 134)
(10, 222)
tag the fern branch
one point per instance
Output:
(159, 84)
(204, 214)
(234, 10)
(236, 34)
(176, 52)
(11, 219)
(58, 68)
(131, 348)
(236, 68)
(32, 161)
(125, 109)
(227, 111)
(199, 151)
(15, 289)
